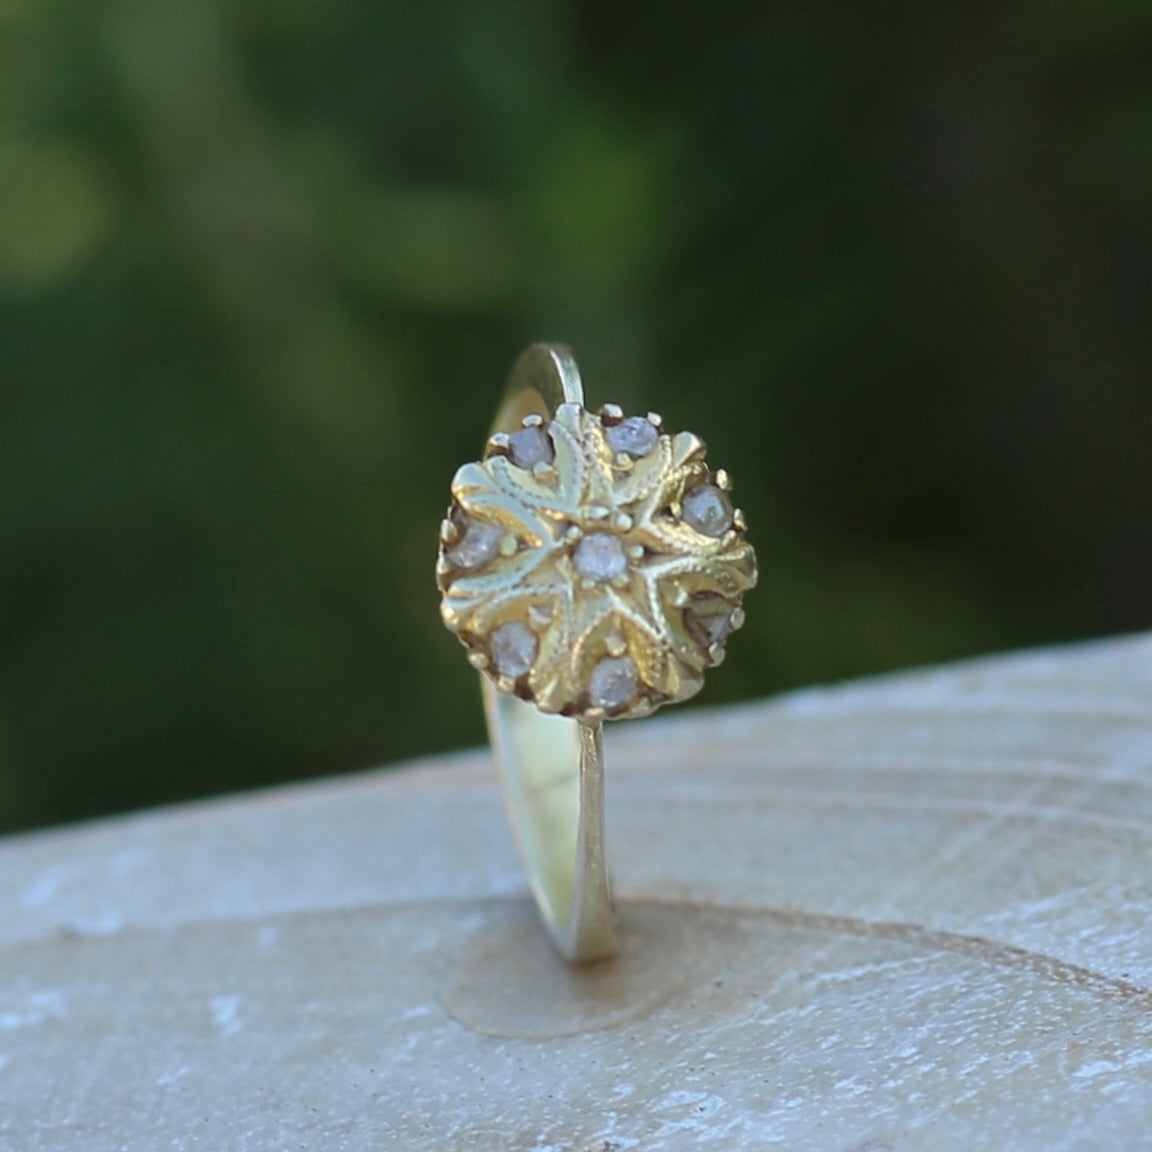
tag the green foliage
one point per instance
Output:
(264, 265)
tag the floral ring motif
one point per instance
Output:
(593, 564)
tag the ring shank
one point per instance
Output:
(552, 768)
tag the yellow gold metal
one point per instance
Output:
(593, 566)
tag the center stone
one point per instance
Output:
(600, 556)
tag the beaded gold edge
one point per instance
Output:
(593, 564)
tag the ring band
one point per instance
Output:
(593, 566)
(552, 767)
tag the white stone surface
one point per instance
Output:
(635, 435)
(910, 915)
(514, 648)
(479, 544)
(707, 509)
(531, 446)
(613, 682)
(600, 556)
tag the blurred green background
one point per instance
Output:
(264, 265)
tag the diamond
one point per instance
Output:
(479, 544)
(707, 509)
(514, 647)
(636, 436)
(613, 682)
(600, 556)
(708, 620)
(529, 447)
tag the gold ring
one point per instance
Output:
(593, 566)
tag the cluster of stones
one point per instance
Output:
(599, 557)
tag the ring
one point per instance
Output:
(593, 566)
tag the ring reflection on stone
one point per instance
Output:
(593, 566)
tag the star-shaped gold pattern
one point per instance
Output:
(593, 564)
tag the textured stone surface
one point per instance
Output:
(514, 647)
(634, 435)
(910, 915)
(529, 447)
(600, 556)
(477, 546)
(613, 682)
(708, 620)
(708, 509)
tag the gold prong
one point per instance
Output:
(533, 420)
(595, 713)
(612, 412)
(478, 660)
(449, 533)
(615, 644)
(723, 480)
(624, 462)
(739, 520)
(509, 545)
(736, 620)
(656, 418)
(598, 512)
(506, 684)
(636, 552)
(686, 447)
(574, 533)
(450, 618)
(716, 654)
(622, 521)
(621, 581)
(499, 442)
(543, 470)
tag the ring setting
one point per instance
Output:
(593, 566)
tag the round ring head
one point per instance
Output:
(593, 564)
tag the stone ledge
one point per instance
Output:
(905, 914)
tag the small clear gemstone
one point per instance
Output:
(514, 648)
(636, 436)
(600, 556)
(613, 682)
(479, 544)
(708, 620)
(529, 447)
(707, 509)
